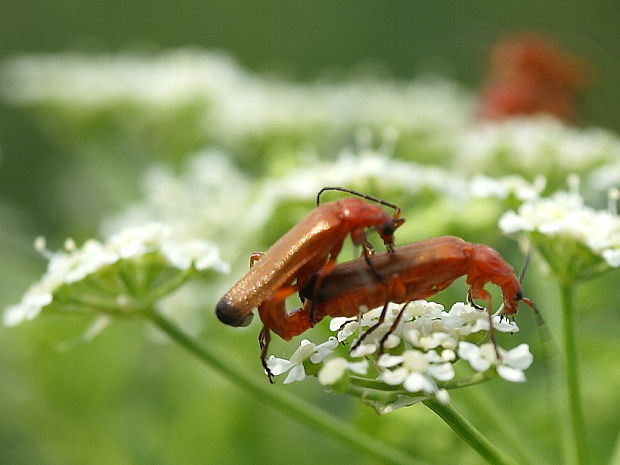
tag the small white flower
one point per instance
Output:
(511, 363)
(294, 366)
(416, 370)
(443, 396)
(333, 370)
(480, 358)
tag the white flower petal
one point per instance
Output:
(520, 357)
(364, 349)
(612, 256)
(442, 396)
(389, 361)
(442, 372)
(394, 377)
(360, 368)
(448, 355)
(332, 371)
(303, 352)
(511, 374)
(417, 382)
(414, 360)
(324, 350)
(297, 373)
(337, 323)
(278, 365)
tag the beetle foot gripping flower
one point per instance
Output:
(125, 275)
(419, 357)
(577, 241)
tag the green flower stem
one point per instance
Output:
(615, 455)
(577, 422)
(483, 402)
(292, 406)
(373, 390)
(461, 426)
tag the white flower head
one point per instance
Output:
(564, 215)
(99, 263)
(535, 145)
(510, 365)
(415, 370)
(420, 361)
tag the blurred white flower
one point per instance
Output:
(565, 215)
(233, 106)
(536, 145)
(204, 200)
(365, 167)
(152, 247)
(500, 188)
(101, 81)
(334, 368)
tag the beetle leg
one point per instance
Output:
(397, 289)
(483, 294)
(470, 301)
(254, 257)
(393, 327)
(324, 271)
(264, 338)
(372, 328)
(368, 250)
(274, 316)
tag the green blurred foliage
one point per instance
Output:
(124, 399)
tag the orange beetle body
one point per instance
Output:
(414, 271)
(310, 248)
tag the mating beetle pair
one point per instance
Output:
(304, 261)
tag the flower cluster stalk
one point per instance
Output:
(577, 423)
(292, 406)
(468, 432)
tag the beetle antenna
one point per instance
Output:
(526, 264)
(395, 207)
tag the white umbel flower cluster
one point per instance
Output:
(149, 249)
(232, 104)
(535, 145)
(420, 352)
(564, 214)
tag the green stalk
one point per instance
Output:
(468, 432)
(577, 423)
(615, 455)
(292, 406)
(483, 402)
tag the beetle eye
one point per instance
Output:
(388, 229)
(519, 295)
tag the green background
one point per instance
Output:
(123, 399)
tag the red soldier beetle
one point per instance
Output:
(414, 271)
(530, 75)
(308, 250)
